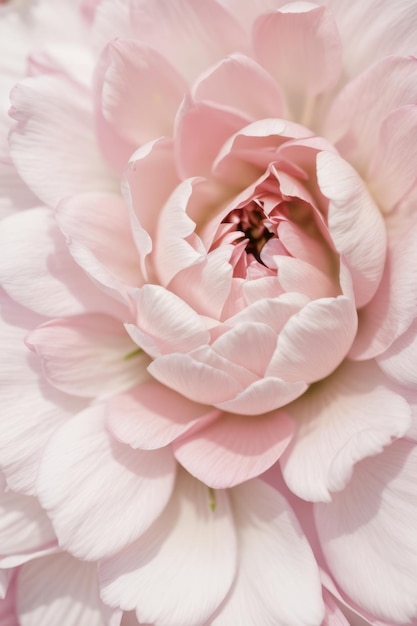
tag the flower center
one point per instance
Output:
(250, 221)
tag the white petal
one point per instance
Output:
(101, 494)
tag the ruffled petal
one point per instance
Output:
(355, 224)
(351, 415)
(194, 580)
(79, 463)
(393, 308)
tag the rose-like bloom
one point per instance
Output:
(208, 313)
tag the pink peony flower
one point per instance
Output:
(209, 295)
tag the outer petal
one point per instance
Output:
(393, 308)
(355, 224)
(367, 534)
(24, 526)
(302, 71)
(38, 272)
(55, 135)
(399, 361)
(193, 35)
(29, 418)
(79, 464)
(276, 564)
(61, 590)
(213, 125)
(146, 112)
(351, 415)
(8, 615)
(392, 173)
(151, 416)
(167, 584)
(234, 448)
(363, 29)
(98, 232)
(356, 115)
(236, 82)
(88, 355)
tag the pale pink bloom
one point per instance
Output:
(210, 283)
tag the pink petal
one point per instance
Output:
(393, 308)
(314, 341)
(368, 538)
(24, 526)
(355, 224)
(8, 616)
(44, 277)
(86, 355)
(193, 35)
(165, 323)
(234, 448)
(197, 381)
(194, 580)
(363, 29)
(263, 395)
(276, 566)
(358, 111)
(152, 416)
(392, 172)
(98, 232)
(111, 19)
(29, 418)
(206, 285)
(146, 112)
(54, 134)
(61, 590)
(79, 463)
(295, 275)
(399, 361)
(249, 344)
(149, 180)
(212, 125)
(236, 82)
(302, 71)
(174, 251)
(352, 415)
